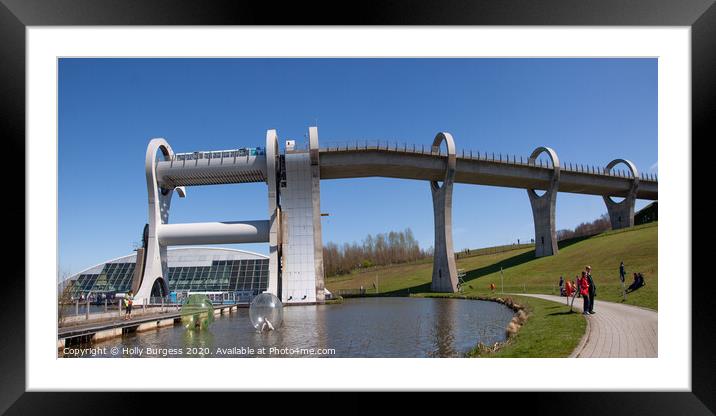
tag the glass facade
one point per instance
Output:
(114, 277)
(250, 275)
(221, 276)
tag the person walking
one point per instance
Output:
(592, 289)
(561, 286)
(583, 283)
(128, 301)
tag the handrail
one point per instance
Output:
(464, 154)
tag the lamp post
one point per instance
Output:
(502, 281)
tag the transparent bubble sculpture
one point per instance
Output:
(197, 312)
(266, 312)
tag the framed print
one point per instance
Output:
(339, 204)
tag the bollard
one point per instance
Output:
(162, 308)
(77, 307)
(144, 305)
(105, 304)
(119, 307)
(87, 309)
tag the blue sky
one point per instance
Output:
(589, 110)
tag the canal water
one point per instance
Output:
(363, 327)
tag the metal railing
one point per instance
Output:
(80, 310)
(491, 250)
(351, 292)
(405, 147)
(395, 146)
(225, 298)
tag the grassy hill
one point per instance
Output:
(637, 247)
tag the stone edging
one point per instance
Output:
(582, 343)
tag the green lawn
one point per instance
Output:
(637, 247)
(551, 331)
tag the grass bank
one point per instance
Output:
(551, 331)
(522, 272)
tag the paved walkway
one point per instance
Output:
(615, 330)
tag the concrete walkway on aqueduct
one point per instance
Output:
(615, 330)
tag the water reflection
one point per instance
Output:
(370, 327)
(197, 341)
(443, 329)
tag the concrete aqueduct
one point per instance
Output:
(293, 227)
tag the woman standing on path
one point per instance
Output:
(583, 283)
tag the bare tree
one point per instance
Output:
(586, 229)
(65, 288)
(382, 249)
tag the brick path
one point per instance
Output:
(615, 330)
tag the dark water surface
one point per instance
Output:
(365, 327)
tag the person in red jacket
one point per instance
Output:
(584, 291)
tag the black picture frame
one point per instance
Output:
(16, 15)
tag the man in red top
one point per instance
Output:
(584, 291)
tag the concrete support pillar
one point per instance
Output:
(621, 214)
(316, 202)
(444, 268)
(544, 207)
(274, 211)
(302, 279)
